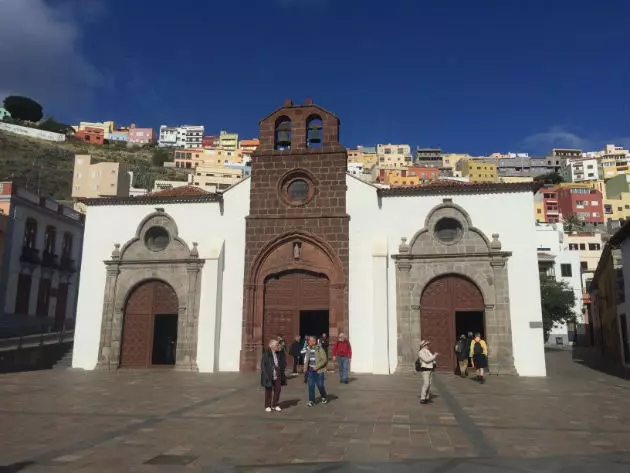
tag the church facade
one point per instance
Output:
(203, 281)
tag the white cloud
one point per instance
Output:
(554, 138)
(40, 53)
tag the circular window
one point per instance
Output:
(448, 230)
(298, 191)
(156, 238)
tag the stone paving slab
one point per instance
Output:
(153, 421)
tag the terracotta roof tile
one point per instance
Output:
(183, 191)
(459, 187)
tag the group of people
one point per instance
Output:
(312, 355)
(470, 351)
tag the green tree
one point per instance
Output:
(557, 300)
(23, 108)
(50, 124)
(161, 156)
(549, 178)
(571, 222)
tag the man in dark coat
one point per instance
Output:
(296, 353)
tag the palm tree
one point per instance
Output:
(570, 222)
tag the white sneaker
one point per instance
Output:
(267, 409)
(277, 409)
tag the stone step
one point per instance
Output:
(65, 361)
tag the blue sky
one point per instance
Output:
(468, 76)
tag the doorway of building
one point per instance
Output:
(164, 339)
(313, 322)
(469, 321)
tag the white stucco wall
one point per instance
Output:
(221, 238)
(509, 215)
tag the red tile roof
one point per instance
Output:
(183, 191)
(459, 187)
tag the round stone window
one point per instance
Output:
(156, 238)
(448, 230)
(298, 191)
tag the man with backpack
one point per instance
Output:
(479, 355)
(462, 349)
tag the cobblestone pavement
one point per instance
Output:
(154, 421)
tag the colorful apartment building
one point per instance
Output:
(117, 136)
(192, 158)
(141, 136)
(214, 178)
(209, 141)
(90, 135)
(412, 176)
(479, 171)
(579, 169)
(613, 160)
(391, 155)
(366, 156)
(104, 179)
(186, 136)
(583, 201)
(228, 141)
(105, 127)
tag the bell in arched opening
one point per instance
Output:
(314, 128)
(283, 134)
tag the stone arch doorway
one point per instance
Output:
(296, 302)
(292, 260)
(450, 304)
(149, 336)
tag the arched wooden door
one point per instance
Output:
(145, 302)
(440, 300)
(289, 294)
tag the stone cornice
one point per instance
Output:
(453, 256)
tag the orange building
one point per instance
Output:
(414, 176)
(91, 135)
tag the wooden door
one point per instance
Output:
(438, 304)
(286, 294)
(146, 301)
(62, 304)
(23, 294)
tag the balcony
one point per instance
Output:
(50, 260)
(552, 212)
(30, 255)
(67, 264)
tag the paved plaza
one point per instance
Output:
(164, 421)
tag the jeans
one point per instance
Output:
(315, 378)
(344, 364)
(277, 387)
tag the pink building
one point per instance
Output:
(141, 136)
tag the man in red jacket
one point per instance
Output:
(342, 352)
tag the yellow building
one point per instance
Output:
(515, 179)
(478, 171)
(449, 161)
(392, 155)
(539, 211)
(363, 155)
(214, 178)
(613, 160)
(107, 127)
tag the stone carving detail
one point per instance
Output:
(404, 247)
(116, 251)
(495, 245)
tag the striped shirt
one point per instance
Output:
(310, 353)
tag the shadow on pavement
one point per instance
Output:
(611, 463)
(591, 358)
(15, 467)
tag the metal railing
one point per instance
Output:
(17, 332)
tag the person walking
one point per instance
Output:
(315, 362)
(324, 342)
(303, 352)
(479, 355)
(342, 352)
(462, 350)
(428, 362)
(296, 353)
(272, 377)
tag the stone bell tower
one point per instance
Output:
(296, 256)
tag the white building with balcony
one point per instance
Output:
(580, 169)
(555, 260)
(185, 136)
(41, 258)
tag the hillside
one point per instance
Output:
(38, 164)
